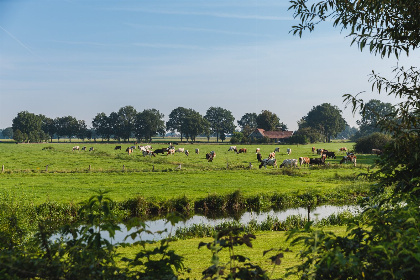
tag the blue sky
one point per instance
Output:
(80, 58)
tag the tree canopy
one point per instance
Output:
(220, 120)
(326, 119)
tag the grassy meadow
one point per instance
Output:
(54, 172)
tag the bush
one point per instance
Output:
(375, 140)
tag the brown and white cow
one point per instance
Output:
(304, 161)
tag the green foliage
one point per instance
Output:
(220, 121)
(326, 119)
(375, 140)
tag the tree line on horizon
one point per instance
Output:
(322, 123)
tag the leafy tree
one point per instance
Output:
(374, 112)
(220, 120)
(193, 124)
(176, 118)
(67, 126)
(102, 126)
(29, 126)
(248, 122)
(49, 126)
(8, 132)
(114, 125)
(385, 246)
(270, 121)
(326, 119)
(149, 123)
(83, 131)
(126, 121)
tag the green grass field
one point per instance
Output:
(72, 176)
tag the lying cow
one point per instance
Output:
(117, 148)
(289, 163)
(343, 149)
(268, 161)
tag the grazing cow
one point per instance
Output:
(313, 150)
(160, 151)
(180, 150)
(377, 152)
(268, 161)
(210, 156)
(129, 150)
(232, 148)
(317, 161)
(348, 158)
(187, 153)
(277, 150)
(91, 149)
(197, 151)
(304, 161)
(117, 148)
(84, 148)
(257, 150)
(289, 163)
(259, 157)
(171, 151)
(272, 155)
(343, 149)
(289, 151)
(242, 150)
(329, 154)
(148, 153)
(76, 148)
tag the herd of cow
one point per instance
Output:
(269, 161)
(305, 161)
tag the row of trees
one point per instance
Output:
(128, 123)
(322, 123)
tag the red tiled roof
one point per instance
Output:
(274, 134)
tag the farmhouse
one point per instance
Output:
(276, 136)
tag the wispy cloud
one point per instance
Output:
(209, 14)
(17, 40)
(192, 29)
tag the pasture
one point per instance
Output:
(54, 172)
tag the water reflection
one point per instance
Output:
(317, 213)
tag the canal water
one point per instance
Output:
(317, 213)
